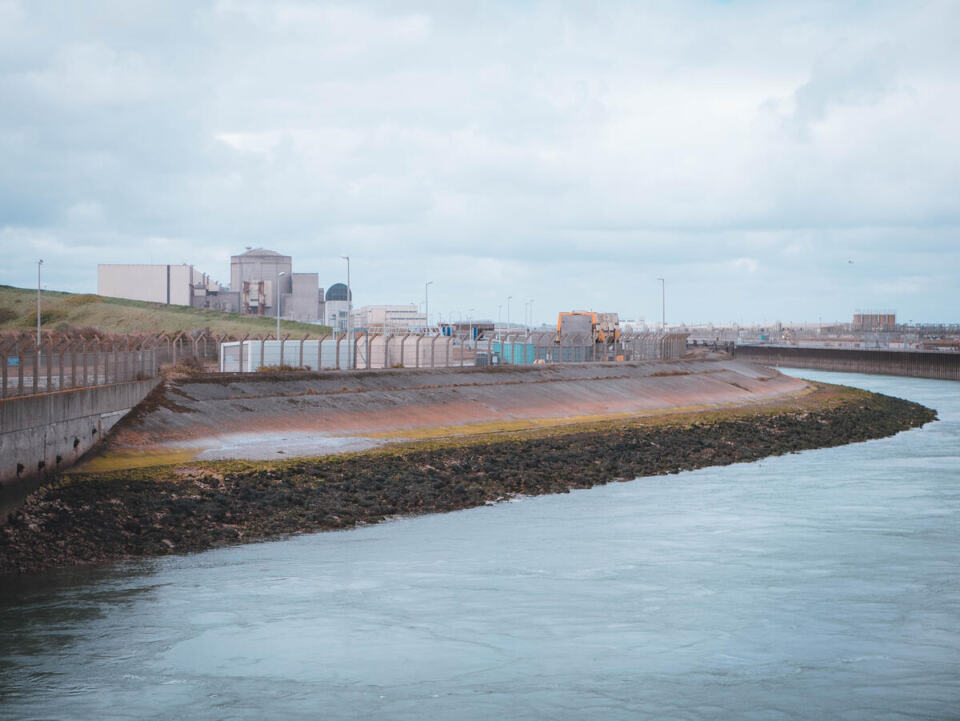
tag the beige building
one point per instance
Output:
(388, 317)
(170, 284)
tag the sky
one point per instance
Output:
(769, 160)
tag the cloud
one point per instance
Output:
(563, 152)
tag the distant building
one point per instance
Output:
(337, 306)
(874, 321)
(179, 284)
(388, 317)
(255, 278)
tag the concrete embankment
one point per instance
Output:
(93, 518)
(41, 435)
(915, 364)
(257, 416)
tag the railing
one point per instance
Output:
(61, 363)
(364, 349)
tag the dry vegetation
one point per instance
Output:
(72, 312)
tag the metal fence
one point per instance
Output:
(61, 363)
(413, 350)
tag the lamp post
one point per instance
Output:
(531, 313)
(509, 298)
(350, 359)
(39, 263)
(426, 303)
(663, 303)
(279, 276)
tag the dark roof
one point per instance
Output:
(338, 291)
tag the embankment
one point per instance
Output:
(257, 416)
(915, 364)
(41, 435)
(93, 518)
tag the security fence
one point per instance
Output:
(62, 363)
(362, 349)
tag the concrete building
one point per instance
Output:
(337, 306)
(255, 278)
(387, 317)
(179, 284)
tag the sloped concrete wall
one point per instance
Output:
(46, 433)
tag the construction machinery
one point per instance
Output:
(601, 327)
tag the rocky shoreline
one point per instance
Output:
(89, 519)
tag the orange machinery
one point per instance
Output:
(604, 327)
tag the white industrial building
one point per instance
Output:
(155, 283)
(255, 278)
(388, 317)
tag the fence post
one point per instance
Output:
(3, 359)
(301, 349)
(320, 351)
(433, 344)
(417, 349)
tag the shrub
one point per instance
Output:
(83, 299)
(7, 314)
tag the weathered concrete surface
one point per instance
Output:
(916, 364)
(210, 415)
(43, 434)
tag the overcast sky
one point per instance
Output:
(769, 160)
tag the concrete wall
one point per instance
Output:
(153, 283)
(43, 434)
(943, 366)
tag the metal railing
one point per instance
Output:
(62, 363)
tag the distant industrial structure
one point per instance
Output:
(259, 280)
(387, 318)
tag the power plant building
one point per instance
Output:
(179, 284)
(255, 278)
(388, 317)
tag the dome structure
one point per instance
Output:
(338, 291)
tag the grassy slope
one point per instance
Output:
(116, 315)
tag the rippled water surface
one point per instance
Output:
(818, 585)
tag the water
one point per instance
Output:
(817, 585)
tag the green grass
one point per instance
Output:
(71, 311)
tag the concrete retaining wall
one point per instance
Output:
(46, 433)
(918, 364)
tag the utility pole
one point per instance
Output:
(426, 303)
(351, 361)
(663, 303)
(39, 263)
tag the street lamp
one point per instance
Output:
(509, 298)
(349, 313)
(279, 276)
(39, 263)
(426, 303)
(663, 303)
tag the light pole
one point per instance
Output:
(279, 276)
(350, 358)
(426, 303)
(39, 263)
(509, 298)
(663, 303)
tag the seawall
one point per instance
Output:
(43, 434)
(917, 364)
(257, 416)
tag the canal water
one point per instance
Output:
(817, 585)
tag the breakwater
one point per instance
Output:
(43, 434)
(916, 364)
(174, 509)
(257, 416)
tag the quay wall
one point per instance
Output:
(917, 364)
(46, 433)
